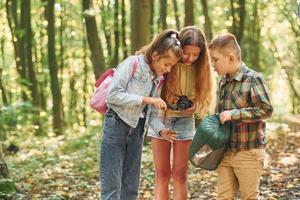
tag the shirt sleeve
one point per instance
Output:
(260, 108)
(118, 94)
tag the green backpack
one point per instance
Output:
(209, 143)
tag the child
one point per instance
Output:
(128, 101)
(243, 100)
(189, 87)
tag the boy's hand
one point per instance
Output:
(225, 116)
(168, 135)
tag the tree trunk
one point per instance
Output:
(233, 26)
(3, 91)
(207, 23)
(2, 88)
(242, 13)
(163, 14)
(106, 29)
(140, 20)
(56, 93)
(27, 51)
(4, 172)
(238, 22)
(124, 45)
(85, 82)
(152, 10)
(255, 38)
(176, 13)
(14, 26)
(61, 42)
(94, 42)
(189, 12)
(295, 95)
(116, 34)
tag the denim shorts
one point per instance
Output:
(183, 126)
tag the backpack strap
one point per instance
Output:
(135, 65)
(107, 73)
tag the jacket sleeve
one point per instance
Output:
(118, 94)
(155, 121)
(260, 108)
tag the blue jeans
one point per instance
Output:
(120, 158)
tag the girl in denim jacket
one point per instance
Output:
(129, 99)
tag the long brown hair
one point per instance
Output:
(204, 85)
(164, 41)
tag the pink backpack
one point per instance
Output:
(98, 100)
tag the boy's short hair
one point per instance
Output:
(226, 43)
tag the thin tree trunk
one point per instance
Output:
(27, 51)
(13, 23)
(2, 88)
(94, 42)
(3, 91)
(152, 10)
(85, 81)
(61, 43)
(176, 13)
(189, 12)
(116, 34)
(233, 27)
(106, 28)
(4, 172)
(207, 23)
(295, 96)
(238, 22)
(56, 93)
(255, 37)
(124, 45)
(140, 20)
(242, 14)
(163, 14)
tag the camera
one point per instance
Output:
(183, 103)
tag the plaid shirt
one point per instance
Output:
(247, 97)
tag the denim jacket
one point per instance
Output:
(126, 93)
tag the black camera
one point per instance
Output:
(183, 103)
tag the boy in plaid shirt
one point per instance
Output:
(244, 101)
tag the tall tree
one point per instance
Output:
(27, 50)
(116, 34)
(107, 28)
(152, 10)
(2, 88)
(16, 35)
(176, 13)
(140, 20)
(124, 45)
(189, 12)
(163, 14)
(93, 39)
(254, 37)
(207, 23)
(238, 19)
(52, 63)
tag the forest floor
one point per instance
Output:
(66, 167)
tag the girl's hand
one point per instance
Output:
(172, 99)
(156, 102)
(168, 135)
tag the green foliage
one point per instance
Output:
(16, 116)
(7, 186)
